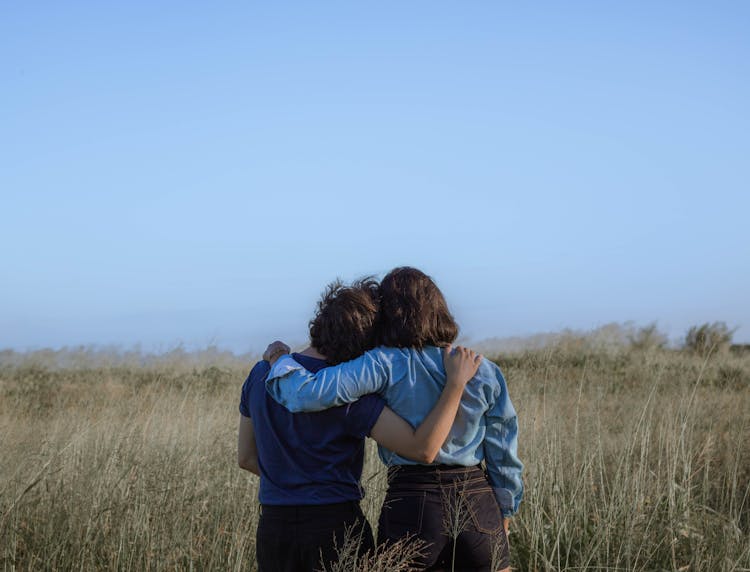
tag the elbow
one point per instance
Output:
(425, 456)
(248, 464)
(252, 468)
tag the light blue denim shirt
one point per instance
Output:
(485, 428)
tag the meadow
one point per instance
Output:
(636, 459)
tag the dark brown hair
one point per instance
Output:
(413, 311)
(344, 324)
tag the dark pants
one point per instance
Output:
(305, 538)
(453, 510)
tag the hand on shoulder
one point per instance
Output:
(275, 350)
(461, 364)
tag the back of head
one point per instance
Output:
(344, 324)
(413, 311)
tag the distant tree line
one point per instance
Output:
(704, 339)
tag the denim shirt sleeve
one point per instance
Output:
(501, 450)
(300, 390)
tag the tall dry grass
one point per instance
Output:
(635, 460)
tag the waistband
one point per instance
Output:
(421, 469)
(310, 509)
(408, 475)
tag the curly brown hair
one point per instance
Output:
(344, 324)
(413, 311)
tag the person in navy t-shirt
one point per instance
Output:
(310, 464)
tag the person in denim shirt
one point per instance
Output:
(406, 370)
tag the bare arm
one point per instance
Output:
(423, 443)
(247, 450)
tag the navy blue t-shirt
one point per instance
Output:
(308, 458)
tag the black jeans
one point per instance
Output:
(453, 510)
(306, 538)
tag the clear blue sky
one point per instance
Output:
(197, 172)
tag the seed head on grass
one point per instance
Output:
(399, 556)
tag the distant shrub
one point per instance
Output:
(708, 338)
(647, 338)
(732, 377)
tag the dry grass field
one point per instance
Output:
(635, 460)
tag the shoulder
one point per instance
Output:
(429, 358)
(255, 379)
(260, 369)
(491, 375)
(258, 373)
(490, 370)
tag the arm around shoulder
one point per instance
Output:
(423, 443)
(297, 389)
